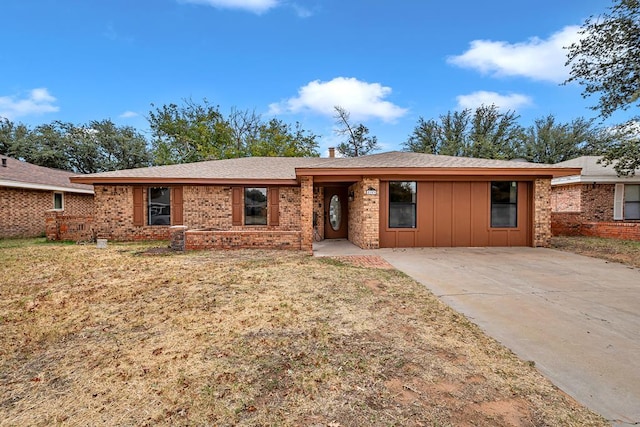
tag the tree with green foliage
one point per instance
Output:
(194, 132)
(358, 142)
(278, 139)
(190, 133)
(95, 147)
(606, 61)
(548, 141)
(484, 132)
(493, 134)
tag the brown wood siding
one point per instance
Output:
(236, 205)
(176, 206)
(273, 203)
(456, 214)
(138, 206)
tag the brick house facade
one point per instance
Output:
(596, 202)
(288, 203)
(28, 192)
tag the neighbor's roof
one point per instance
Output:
(288, 169)
(592, 172)
(19, 174)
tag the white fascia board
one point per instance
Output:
(31, 186)
(595, 179)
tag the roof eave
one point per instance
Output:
(440, 171)
(43, 187)
(180, 181)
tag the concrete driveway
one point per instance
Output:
(577, 318)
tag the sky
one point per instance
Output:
(386, 62)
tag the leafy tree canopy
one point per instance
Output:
(606, 62)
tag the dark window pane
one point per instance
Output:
(504, 204)
(255, 206)
(402, 204)
(159, 206)
(632, 210)
(57, 200)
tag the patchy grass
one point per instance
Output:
(114, 336)
(622, 251)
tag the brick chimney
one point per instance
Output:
(332, 152)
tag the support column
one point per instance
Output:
(306, 213)
(542, 212)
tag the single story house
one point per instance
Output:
(596, 202)
(394, 199)
(28, 193)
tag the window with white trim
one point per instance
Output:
(58, 201)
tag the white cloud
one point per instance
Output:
(361, 99)
(39, 101)
(512, 101)
(536, 59)
(128, 114)
(255, 6)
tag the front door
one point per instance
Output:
(335, 213)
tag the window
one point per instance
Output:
(255, 206)
(504, 204)
(159, 206)
(632, 201)
(58, 201)
(402, 204)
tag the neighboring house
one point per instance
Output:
(28, 192)
(596, 202)
(394, 199)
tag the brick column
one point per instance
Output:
(177, 236)
(371, 213)
(51, 225)
(542, 212)
(306, 213)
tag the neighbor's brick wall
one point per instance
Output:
(542, 212)
(566, 198)
(23, 211)
(566, 223)
(597, 202)
(364, 214)
(612, 230)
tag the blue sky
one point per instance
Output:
(387, 62)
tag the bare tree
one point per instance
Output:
(357, 143)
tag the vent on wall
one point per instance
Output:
(4, 162)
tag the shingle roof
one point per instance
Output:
(401, 159)
(592, 171)
(26, 175)
(284, 168)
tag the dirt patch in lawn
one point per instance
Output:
(107, 336)
(622, 251)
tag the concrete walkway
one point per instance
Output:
(577, 318)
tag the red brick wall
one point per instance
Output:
(69, 227)
(22, 211)
(542, 212)
(566, 198)
(205, 208)
(597, 202)
(245, 239)
(612, 230)
(566, 223)
(364, 214)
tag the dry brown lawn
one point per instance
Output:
(622, 251)
(128, 336)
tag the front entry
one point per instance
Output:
(335, 213)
